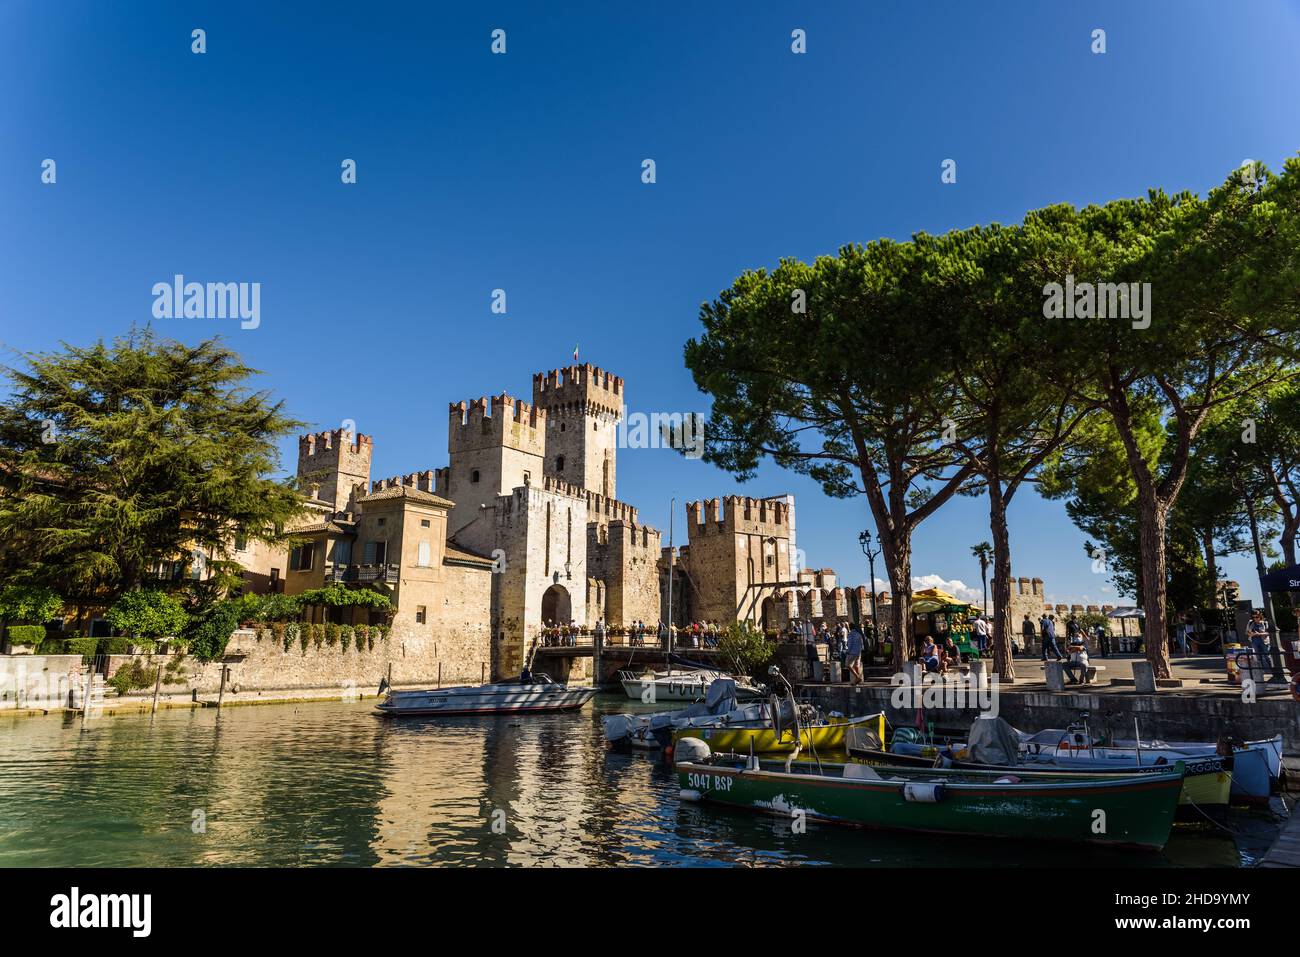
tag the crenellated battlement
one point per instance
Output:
(501, 420)
(561, 487)
(328, 444)
(331, 462)
(737, 513)
(579, 390)
(425, 481)
(634, 535)
(601, 508)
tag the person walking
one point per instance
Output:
(1029, 634)
(1049, 638)
(853, 655)
(1103, 641)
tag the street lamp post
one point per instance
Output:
(871, 551)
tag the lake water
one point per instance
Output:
(331, 784)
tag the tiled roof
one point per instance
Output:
(406, 491)
(458, 556)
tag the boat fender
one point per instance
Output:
(1007, 779)
(687, 794)
(923, 793)
(692, 750)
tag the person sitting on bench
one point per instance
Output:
(930, 654)
(1078, 660)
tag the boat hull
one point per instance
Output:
(766, 740)
(490, 699)
(1134, 811)
(1206, 789)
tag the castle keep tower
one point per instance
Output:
(736, 543)
(583, 406)
(331, 463)
(494, 447)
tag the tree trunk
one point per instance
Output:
(1211, 565)
(899, 560)
(1003, 663)
(1152, 519)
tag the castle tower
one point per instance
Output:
(331, 463)
(494, 447)
(583, 406)
(739, 552)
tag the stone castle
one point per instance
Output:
(520, 529)
(523, 528)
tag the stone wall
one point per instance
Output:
(37, 681)
(262, 664)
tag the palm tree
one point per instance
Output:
(984, 552)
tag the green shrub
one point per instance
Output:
(277, 607)
(209, 632)
(86, 647)
(132, 675)
(54, 646)
(306, 635)
(331, 634)
(317, 633)
(345, 637)
(287, 634)
(29, 603)
(248, 607)
(148, 614)
(174, 673)
(32, 635)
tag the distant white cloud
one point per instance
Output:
(953, 586)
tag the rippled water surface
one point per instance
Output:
(331, 784)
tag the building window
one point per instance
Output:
(422, 555)
(241, 542)
(419, 614)
(562, 426)
(380, 522)
(559, 463)
(343, 551)
(376, 553)
(528, 478)
(300, 558)
(595, 427)
(424, 523)
(473, 476)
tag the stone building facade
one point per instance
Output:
(521, 528)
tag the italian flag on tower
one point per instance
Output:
(575, 353)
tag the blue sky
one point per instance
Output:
(522, 172)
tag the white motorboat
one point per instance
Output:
(505, 697)
(675, 684)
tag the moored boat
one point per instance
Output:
(676, 684)
(506, 697)
(1253, 762)
(1207, 781)
(1121, 810)
(768, 737)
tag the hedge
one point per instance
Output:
(26, 634)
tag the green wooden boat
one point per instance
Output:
(1110, 809)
